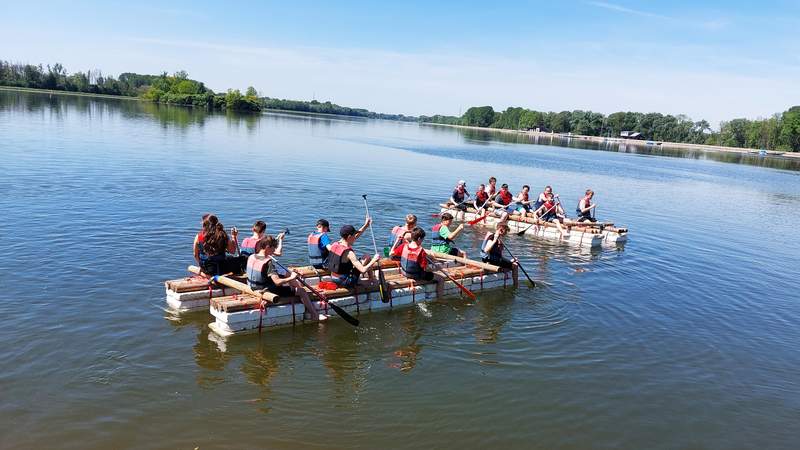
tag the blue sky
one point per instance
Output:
(715, 60)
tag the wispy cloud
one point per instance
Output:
(710, 25)
(626, 10)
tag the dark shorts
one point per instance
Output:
(220, 265)
(424, 276)
(461, 207)
(504, 263)
(454, 251)
(550, 217)
(346, 281)
(511, 209)
(282, 291)
(586, 217)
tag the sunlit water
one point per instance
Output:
(686, 337)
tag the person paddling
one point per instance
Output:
(345, 267)
(492, 248)
(522, 200)
(248, 246)
(264, 275)
(481, 198)
(443, 237)
(585, 207)
(319, 245)
(197, 247)
(401, 233)
(549, 212)
(459, 197)
(503, 204)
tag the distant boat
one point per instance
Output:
(762, 152)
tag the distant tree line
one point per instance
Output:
(175, 89)
(779, 132)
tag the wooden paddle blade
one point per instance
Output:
(344, 314)
(469, 293)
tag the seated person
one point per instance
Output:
(586, 207)
(400, 234)
(443, 237)
(319, 245)
(413, 259)
(503, 203)
(263, 275)
(492, 248)
(345, 267)
(548, 212)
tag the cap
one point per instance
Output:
(462, 182)
(347, 230)
(324, 223)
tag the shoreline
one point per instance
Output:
(640, 143)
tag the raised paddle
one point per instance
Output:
(463, 288)
(519, 264)
(336, 308)
(381, 278)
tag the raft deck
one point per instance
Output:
(237, 313)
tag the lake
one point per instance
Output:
(684, 337)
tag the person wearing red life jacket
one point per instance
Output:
(503, 204)
(346, 269)
(585, 207)
(319, 245)
(492, 248)
(549, 212)
(481, 198)
(443, 237)
(259, 228)
(522, 201)
(400, 233)
(414, 260)
(264, 275)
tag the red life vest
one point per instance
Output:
(505, 197)
(256, 278)
(248, 246)
(410, 261)
(481, 197)
(201, 237)
(548, 205)
(338, 261)
(317, 254)
(587, 203)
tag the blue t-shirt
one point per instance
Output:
(324, 241)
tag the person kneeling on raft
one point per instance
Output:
(443, 237)
(264, 275)
(345, 267)
(492, 248)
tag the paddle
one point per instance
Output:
(520, 233)
(463, 288)
(381, 278)
(336, 308)
(519, 264)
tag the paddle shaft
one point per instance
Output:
(229, 282)
(381, 279)
(463, 288)
(519, 264)
(336, 308)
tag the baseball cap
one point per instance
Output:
(347, 230)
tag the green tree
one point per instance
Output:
(479, 116)
(251, 92)
(790, 128)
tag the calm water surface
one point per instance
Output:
(685, 337)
